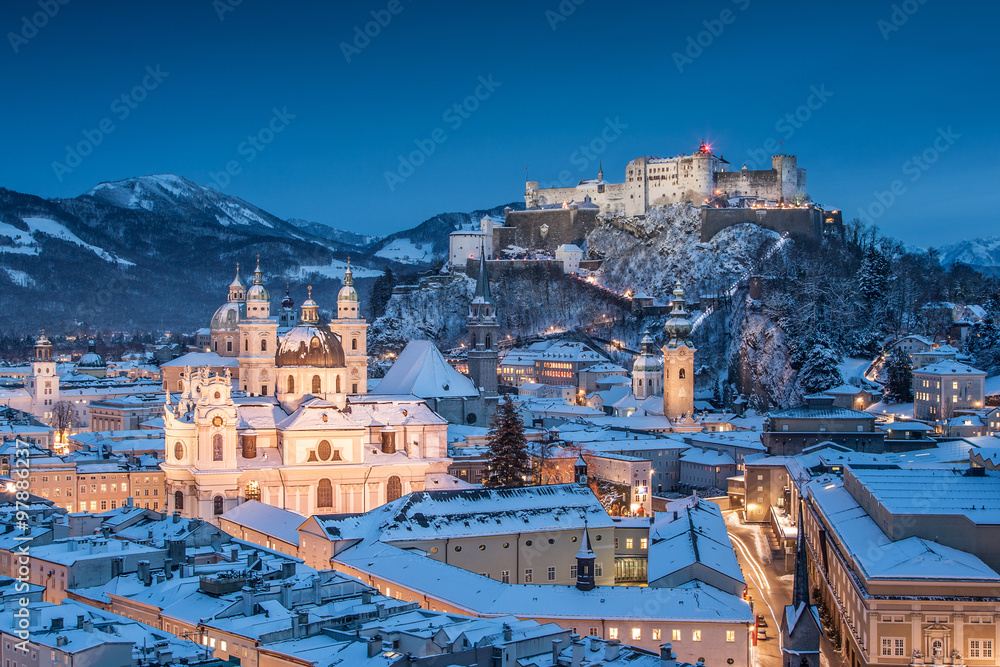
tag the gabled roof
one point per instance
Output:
(421, 370)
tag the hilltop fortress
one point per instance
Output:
(697, 178)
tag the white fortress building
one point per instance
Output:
(305, 435)
(651, 181)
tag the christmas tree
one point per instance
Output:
(508, 455)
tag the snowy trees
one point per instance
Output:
(899, 387)
(508, 456)
(62, 420)
(381, 292)
(983, 344)
(819, 370)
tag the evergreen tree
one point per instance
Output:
(381, 293)
(898, 370)
(508, 456)
(819, 370)
(873, 276)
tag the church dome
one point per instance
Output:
(258, 292)
(91, 359)
(309, 345)
(228, 316)
(347, 292)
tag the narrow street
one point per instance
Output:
(769, 586)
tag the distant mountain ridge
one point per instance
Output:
(158, 251)
(982, 253)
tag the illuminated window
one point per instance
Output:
(628, 542)
(643, 543)
(656, 635)
(527, 576)
(612, 633)
(730, 635)
(252, 490)
(696, 635)
(636, 634)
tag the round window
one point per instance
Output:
(482, 547)
(434, 550)
(458, 548)
(471, 418)
(551, 541)
(573, 539)
(218, 395)
(506, 545)
(527, 543)
(598, 538)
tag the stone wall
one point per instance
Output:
(548, 228)
(802, 223)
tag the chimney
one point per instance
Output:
(612, 649)
(366, 596)
(556, 649)
(382, 614)
(143, 572)
(667, 657)
(595, 644)
(286, 594)
(62, 640)
(88, 626)
(79, 621)
(176, 551)
(176, 516)
(507, 632)
(234, 555)
(117, 566)
(168, 568)
(105, 532)
(128, 502)
(576, 658)
(287, 569)
(247, 597)
(374, 646)
(317, 587)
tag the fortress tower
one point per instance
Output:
(483, 334)
(678, 362)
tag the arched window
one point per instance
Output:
(354, 343)
(216, 346)
(263, 345)
(394, 489)
(680, 374)
(180, 385)
(489, 342)
(217, 505)
(291, 385)
(338, 384)
(324, 494)
(252, 490)
(217, 447)
(178, 500)
(317, 386)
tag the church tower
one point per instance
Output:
(225, 324)
(678, 362)
(647, 371)
(287, 317)
(483, 334)
(352, 329)
(585, 558)
(43, 383)
(258, 340)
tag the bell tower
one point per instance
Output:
(351, 327)
(43, 383)
(258, 340)
(483, 334)
(678, 361)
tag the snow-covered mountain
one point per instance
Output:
(979, 253)
(341, 236)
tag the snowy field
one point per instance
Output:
(405, 251)
(334, 269)
(25, 243)
(853, 368)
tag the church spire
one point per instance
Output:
(585, 558)
(600, 172)
(800, 584)
(483, 282)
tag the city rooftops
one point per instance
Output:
(905, 491)
(949, 368)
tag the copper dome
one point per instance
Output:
(311, 346)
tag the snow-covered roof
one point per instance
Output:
(473, 512)
(279, 523)
(949, 368)
(200, 359)
(905, 492)
(690, 532)
(421, 370)
(569, 247)
(877, 556)
(707, 457)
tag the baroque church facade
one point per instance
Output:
(304, 435)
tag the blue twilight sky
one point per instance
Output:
(889, 81)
